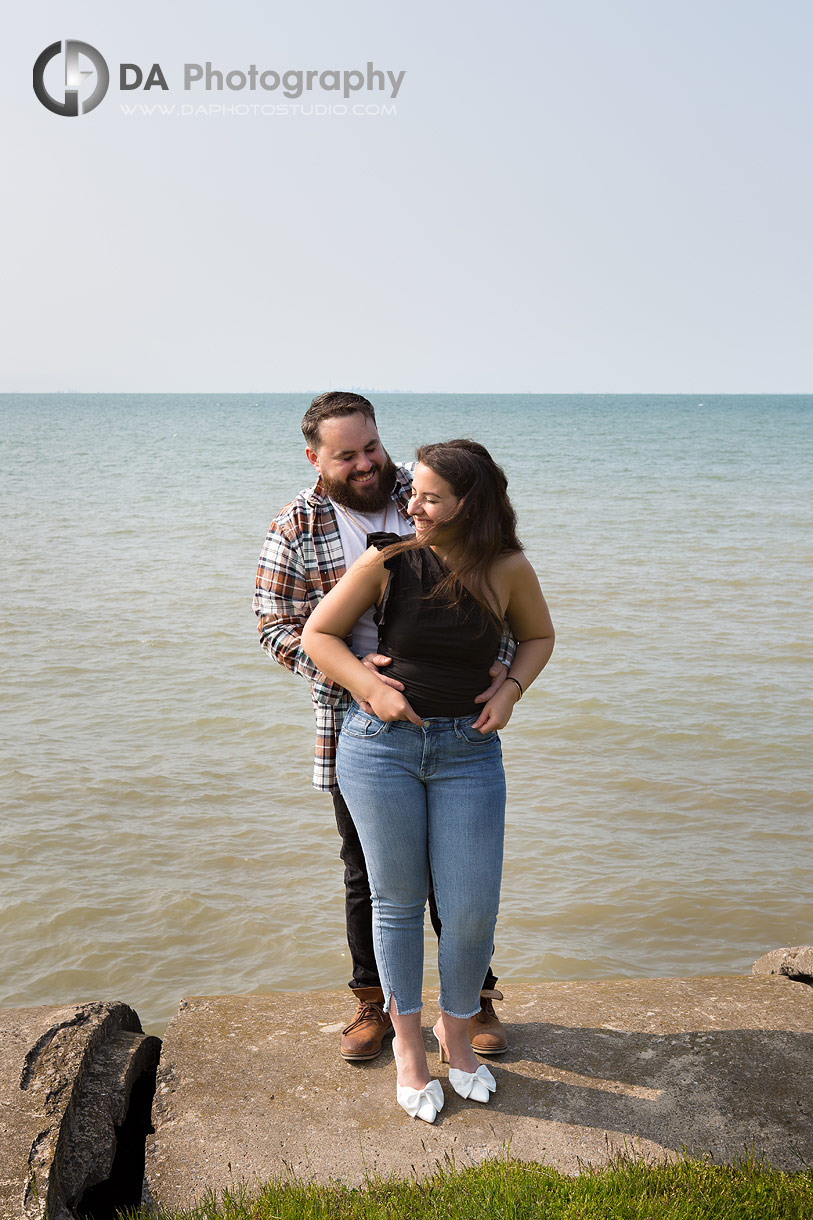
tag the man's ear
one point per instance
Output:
(313, 458)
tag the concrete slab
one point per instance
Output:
(253, 1086)
(66, 1075)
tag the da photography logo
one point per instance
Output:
(74, 52)
(72, 78)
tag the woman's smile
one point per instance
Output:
(432, 501)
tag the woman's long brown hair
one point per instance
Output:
(485, 515)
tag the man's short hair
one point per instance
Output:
(329, 405)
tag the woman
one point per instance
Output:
(421, 770)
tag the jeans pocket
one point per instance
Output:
(473, 736)
(362, 724)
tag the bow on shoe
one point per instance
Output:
(474, 1085)
(421, 1103)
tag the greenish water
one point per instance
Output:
(158, 832)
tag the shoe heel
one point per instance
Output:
(441, 1048)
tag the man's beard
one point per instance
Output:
(373, 499)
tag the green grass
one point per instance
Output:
(504, 1189)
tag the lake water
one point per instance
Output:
(158, 833)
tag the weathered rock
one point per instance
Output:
(795, 963)
(67, 1076)
(253, 1086)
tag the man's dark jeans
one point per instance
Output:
(357, 907)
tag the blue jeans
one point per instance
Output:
(427, 796)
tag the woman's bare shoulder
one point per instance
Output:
(371, 558)
(512, 564)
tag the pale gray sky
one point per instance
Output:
(589, 195)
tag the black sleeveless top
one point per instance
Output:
(442, 654)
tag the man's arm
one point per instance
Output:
(507, 648)
(283, 601)
(499, 670)
(529, 619)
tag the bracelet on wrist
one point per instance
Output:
(518, 685)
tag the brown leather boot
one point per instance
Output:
(486, 1031)
(362, 1038)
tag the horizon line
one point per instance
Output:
(449, 393)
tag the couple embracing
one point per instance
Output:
(404, 597)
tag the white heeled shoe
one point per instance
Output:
(425, 1103)
(471, 1086)
(421, 1103)
(475, 1086)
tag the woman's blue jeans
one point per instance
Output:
(422, 797)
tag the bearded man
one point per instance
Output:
(310, 544)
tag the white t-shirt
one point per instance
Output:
(353, 530)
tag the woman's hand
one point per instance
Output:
(497, 712)
(389, 704)
(372, 662)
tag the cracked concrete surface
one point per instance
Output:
(66, 1074)
(253, 1086)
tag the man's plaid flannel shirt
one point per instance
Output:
(302, 559)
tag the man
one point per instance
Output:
(309, 545)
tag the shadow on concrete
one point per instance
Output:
(253, 1086)
(719, 1093)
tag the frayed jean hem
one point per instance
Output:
(400, 1013)
(459, 1016)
